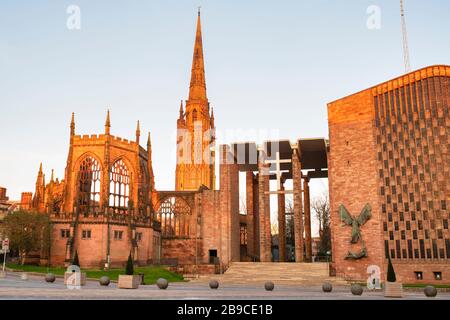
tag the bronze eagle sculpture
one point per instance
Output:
(356, 223)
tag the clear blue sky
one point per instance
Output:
(270, 65)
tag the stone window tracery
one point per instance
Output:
(119, 187)
(174, 215)
(89, 177)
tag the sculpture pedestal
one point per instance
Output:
(129, 282)
(393, 290)
(82, 278)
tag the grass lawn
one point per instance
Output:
(151, 273)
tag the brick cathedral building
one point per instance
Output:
(389, 148)
(387, 157)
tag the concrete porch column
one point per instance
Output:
(265, 245)
(250, 213)
(282, 225)
(298, 210)
(307, 204)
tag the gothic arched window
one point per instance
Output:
(119, 187)
(194, 115)
(174, 214)
(89, 175)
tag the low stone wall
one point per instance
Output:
(191, 269)
(406, 273)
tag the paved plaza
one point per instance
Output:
(14, 288)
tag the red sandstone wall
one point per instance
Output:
(26, 200)
(212, 225)
(352, 138)
(58, 245)
(353, 181)
(405, 272)
(229, 207)
(94, 145)
(120, 249)
(145, 246)
(92, 252)
(213, 232)
(181, 249)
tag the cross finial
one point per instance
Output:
(199, 7)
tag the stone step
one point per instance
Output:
(314, 282)
(279, 273)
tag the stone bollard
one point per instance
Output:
(162, 283)
(356, 289)
(430, 291)
(104, 281)
(269, 285)
(50, 277)
(24, 276)
(214, 284)
(327, 287)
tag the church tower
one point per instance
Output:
(195, 129)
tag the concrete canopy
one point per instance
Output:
(313, 155)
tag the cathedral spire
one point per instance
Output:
(195, 156)
(107, 124)
(197, 89)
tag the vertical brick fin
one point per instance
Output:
(298, 209)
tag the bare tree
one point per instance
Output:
(321, 208)
(290, 240)
(27, 232)
(242, 204)
(274, 225)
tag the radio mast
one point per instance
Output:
(405, 38)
